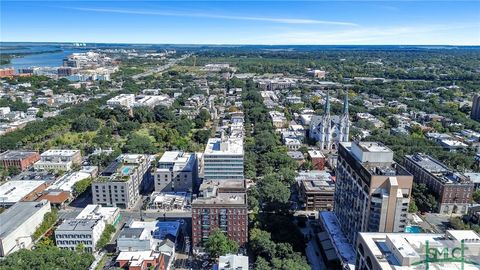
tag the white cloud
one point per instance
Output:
(219, 16)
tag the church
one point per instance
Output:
(328, 130)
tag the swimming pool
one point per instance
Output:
(413, 229)
(126, 170)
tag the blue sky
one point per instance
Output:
(243, 22)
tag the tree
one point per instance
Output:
(261, 244)
(262, 264)
(46, 258)
(106, 236)
(412, 207)
(424, 200)
(80, 247)
(84, 123)
(82, 186)
(476, 196)
(218, 244)
(202, 135)
(274, 194)
(140, 144)
(183, 126)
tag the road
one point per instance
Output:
(312, 248)
(161, 68)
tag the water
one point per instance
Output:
(413, 229)
(40, 60)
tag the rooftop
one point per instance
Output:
(16, 155)
(227, 146)
(316, 181)
(233, 262)
(60, 152)
(14, 191)
(16, 215)
(437, 168)
(78, 225)
(177, 160)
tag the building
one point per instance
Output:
(14, 191)
(58, 160)
(86, 228)
(122, 100)
(141, 260)
(148, 235)
(18, 223)
(21, 160)
(176, 171)
(372, 192)
(79, 231)
(221, 205)
(316, 190)
(453, 190)
(232, 262)
(475, 113)
(223, 159)
(121, 182)
(329, 130)
(316, 73)
(318, 159)
(379, 251)
(278, 119)
(6, 72)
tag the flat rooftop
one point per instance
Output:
(16, 155)
(77, 225)
(316, 181)
(373, 147)
(222, 199)
(60, 152)
(177, 160)
(437, 168)
(14, 191)
(16, 215)
(230, 146)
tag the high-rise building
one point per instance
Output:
(176, 171)
(475, 114)
(121, 182)
(329, 130)
(372, 192)
(223, 159)
(222, 205)
(453, 190)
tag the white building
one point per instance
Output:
(176, 171)
(14, 191)
(86, 228)
(18, 223)
(278, 119)
(223, 159)
(58, 160)
(122, 100)
(328, 130)
(233, 262)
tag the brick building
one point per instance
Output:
(318, 159)
(453, 190)
(221, 205)
(19, 159)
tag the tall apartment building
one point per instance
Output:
(372, 192)
(176, 171)
(452, 189)
(18, 159)
(121, 182)
(223, 159)
(222, 205)
(18, 224)
(475, 113)
(58, 159)
(122, 100)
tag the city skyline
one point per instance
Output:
(227, 22)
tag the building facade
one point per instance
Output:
(176, 171)
(222, 205)
(453, 190)
(21, 160)
(372, 192)
(316, 190)
(329, 130)
(223, 159)
(58, 160)
(121, 182)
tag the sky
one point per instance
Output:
(243, 22)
